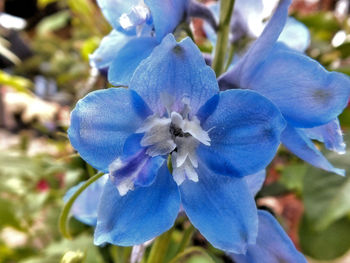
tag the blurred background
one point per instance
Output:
(44, 70)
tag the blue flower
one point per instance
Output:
(173, 108)
(139, 26)
(248, 20)
(309, 97)
(272, 244)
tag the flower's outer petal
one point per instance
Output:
(244, 131)
(174, 72)
(140, 215)
(114, 9)
(295, 35)
(108, 49)
(247, 19)
(272, 245)
(298, 143)
(255, 181)
(304, 91)
(166, 15)
(85, 206)
(222, 209)
(259, 51)
(330, 134)
(101, 122)
(128, 58)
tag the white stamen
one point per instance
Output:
(127, 184)
(176, 135)
(136, 17)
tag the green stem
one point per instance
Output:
(64, 217)
(185, 239)
(226, 9)
(230, 57)
(160, 247)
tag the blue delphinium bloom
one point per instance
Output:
(249, 20)
(309, 97)
(139, 26)
(272, 245)
(173, 108)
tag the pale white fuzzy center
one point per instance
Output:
(136, 17)
(176, 135)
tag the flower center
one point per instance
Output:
(138, 15)
(176, 135)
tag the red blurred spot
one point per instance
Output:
(42, 186)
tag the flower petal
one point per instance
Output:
(241, 74)
(272, 245)
(244, 130)
(166, 15)
(222, 209)
(295, 35)
(140, 215)
(247, 19)
(139, 169)
(108, 49)
(127, 58)
(299, 144)
(176, 74)
(330, 134)
(84, 208)
(101, 122)
(304, 91)
(255, 181)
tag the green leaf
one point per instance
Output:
(292, 177)
(8, 215)
(331, 243)
(53, 22)
(18, 83)
(327, 195)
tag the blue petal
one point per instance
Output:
(108, 49)
(222, 209)
(245, 132)
(140, 215)
(255, 181)
(173, 74)
(272, 246)
(247, 19)
(245, 69)
(166, 15)
(127, 58)
(138, 169)
(298, 143)
(101, 122)
(304, 91)
(84, 208)
(113, 9)
(295, 35)
(330, 134)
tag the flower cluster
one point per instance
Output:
(178, 139)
